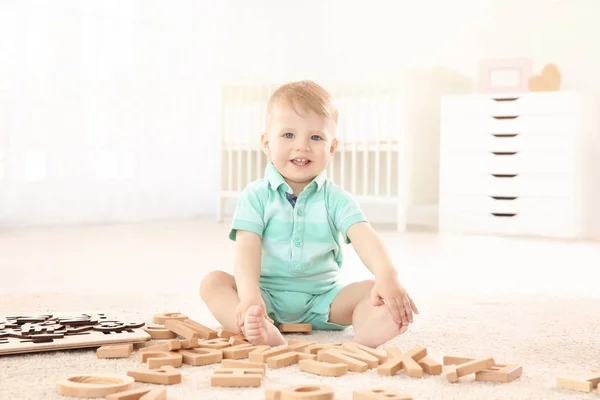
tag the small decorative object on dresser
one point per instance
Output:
(548, 81)
(504, 75)
(520, 164)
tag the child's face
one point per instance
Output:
(300, 146)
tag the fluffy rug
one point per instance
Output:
(548, 336)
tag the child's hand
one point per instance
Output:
(389, 291)
(245, 304)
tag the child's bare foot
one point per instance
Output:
(259, 330)
(378, 329)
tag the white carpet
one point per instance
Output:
(528, 301)
(549, 336)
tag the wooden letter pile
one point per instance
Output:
(184, 341)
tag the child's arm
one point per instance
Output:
(247, 256)
(247, 260)
(388, 289)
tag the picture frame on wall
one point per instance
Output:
(504, 75)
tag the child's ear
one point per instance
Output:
(264, 139)
(334, 145)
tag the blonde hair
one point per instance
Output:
(306, 95)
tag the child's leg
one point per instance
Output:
(373, 325)
(219, 292)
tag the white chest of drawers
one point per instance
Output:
(521, 164)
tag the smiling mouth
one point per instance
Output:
(300, 162)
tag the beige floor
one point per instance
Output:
(535, 302)
(172, 257)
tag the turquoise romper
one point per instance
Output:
(301, 248)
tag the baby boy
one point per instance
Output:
(287, 229)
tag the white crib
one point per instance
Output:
(372, 161)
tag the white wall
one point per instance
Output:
(111, 109)
(336, 41)
(121, 96)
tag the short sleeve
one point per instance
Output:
(249, 212)
(344, 210)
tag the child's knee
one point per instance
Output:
(383, 312)
(368, 285)
(211, 281)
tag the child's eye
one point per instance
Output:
(288, 135)
(315, 137)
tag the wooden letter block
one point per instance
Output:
(189, 343)
(145, 393)
(449, 360)
(371, 361)
(236, 377)
(295, 328)
(360, 349)
(430, 366)
(301, 392)
(470, 367)
(585, 383)
(179, 328)
(500, 373)
(322, 368)
(307, 356)
(224, 333)
(165, 346)
(282, 360)
(237, 339)
(94, 385)
(242, 351)
(299, 345)
(190, 329)
(160, 333)
(203, 331)
(219, 343)
(408, 361)
(166, 375)
(286, 359)
(161, 358)
(263, 356)
(201, 356)
(115, 351)
(163, 317)
(334, 357)
(380, 394)
(243, 365)
(315, 348)
(272, 394)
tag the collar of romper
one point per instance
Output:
(275, 179)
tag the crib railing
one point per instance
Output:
(370, 161)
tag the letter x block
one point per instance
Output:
(407, 361)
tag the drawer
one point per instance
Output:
(549, 103)
(524, 184)
(461, 125)
(537, 224)
(517, 141)
(461, 162)
(507, 205)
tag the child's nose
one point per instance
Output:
(303, 145)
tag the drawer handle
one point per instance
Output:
(506, 98)
(504, 175)
(504, 215)
(504, 153)
(505, 117)
(503, 198)
(504, 135)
